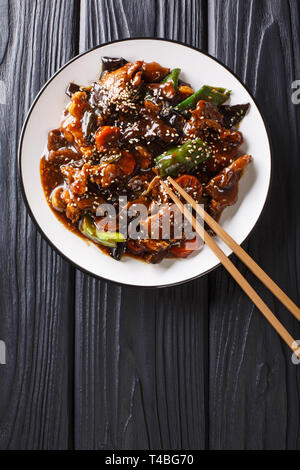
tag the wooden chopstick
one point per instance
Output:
(244, 284)
(238, 250)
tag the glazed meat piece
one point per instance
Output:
(78, 104)
(75, 205)
(221, 159)
(206, 122)
(107, 173)
(223, 182)
(76, 178)
(103, 174)
(150, 127)
(154, 72)
(162, 223)
(212, 131)
(204, 110)
(227, 116)
(143, 157)
(222, 143)
(71, 126)
(72, 210)
(118, 90)
(117, 81)
(223, 188)
(161, 90)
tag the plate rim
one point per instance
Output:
(20, 175)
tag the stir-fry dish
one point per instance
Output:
(135, 125)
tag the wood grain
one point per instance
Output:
(181, 368)
(254, 397)
(36, 286)
(140, 354)
(236, 249)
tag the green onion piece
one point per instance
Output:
(110, 236)
(109, 239)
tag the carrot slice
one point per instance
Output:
(106, 135)
(186, 248)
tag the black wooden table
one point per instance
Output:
(92, 365)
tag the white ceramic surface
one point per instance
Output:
(197, 69)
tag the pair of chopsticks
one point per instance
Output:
(227, 263)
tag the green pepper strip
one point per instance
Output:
(214, 95)
(109, 239)
(183, 158)
(172, 77)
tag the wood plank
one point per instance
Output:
(254, 387)
(36, 300)
(141, 355)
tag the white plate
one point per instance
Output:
(197, 69)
